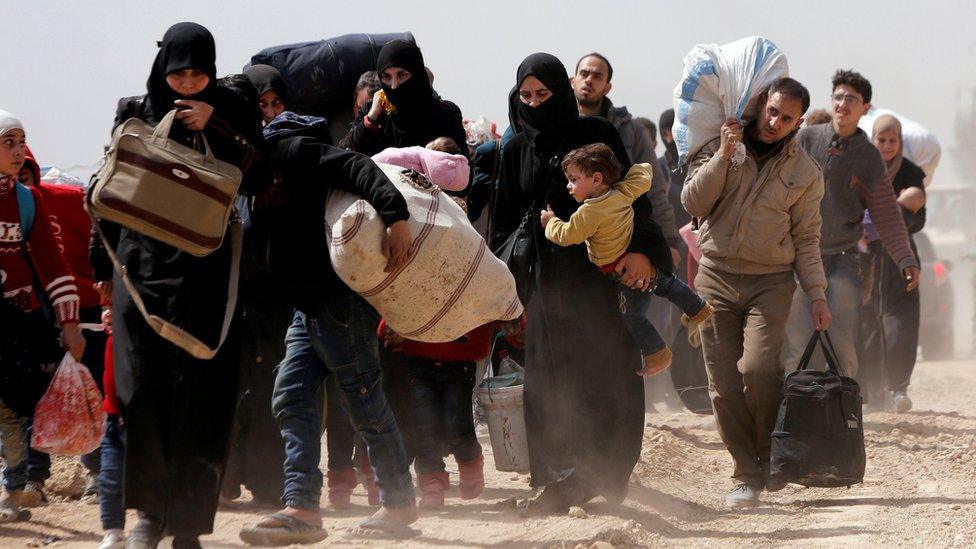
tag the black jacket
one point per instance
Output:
(307, 169)
(442, 120)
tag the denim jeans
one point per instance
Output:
(634, 304)
(441, 400)
(110, 475)
(14, 443)
(843, 272)
(339, 337)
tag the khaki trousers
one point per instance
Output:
(742, 343)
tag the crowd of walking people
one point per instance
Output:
(812, 230)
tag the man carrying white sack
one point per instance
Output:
(333, 332)
(759, 222)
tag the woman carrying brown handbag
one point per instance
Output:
(178, 409)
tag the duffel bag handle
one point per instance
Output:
(165, 125)
(823, 338)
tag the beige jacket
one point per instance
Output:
(759, 223)
(606, 222)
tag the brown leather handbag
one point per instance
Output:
(163, 189)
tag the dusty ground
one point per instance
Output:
(920, 490)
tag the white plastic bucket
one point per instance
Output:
(506, 427)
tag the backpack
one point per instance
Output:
(818, 440)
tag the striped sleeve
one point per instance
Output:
(56, 280)
(888, 220)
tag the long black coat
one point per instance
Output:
(179, 409)
(584, 403)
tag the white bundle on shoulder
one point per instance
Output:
(720, 82)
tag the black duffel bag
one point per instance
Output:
(819, 436)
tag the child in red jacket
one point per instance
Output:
(32, 273)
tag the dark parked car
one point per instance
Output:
(936, 332)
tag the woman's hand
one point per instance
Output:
(72, 340)
(635, 271)
(376, 109)
(396, 246)
(194, 115)
(104, 289)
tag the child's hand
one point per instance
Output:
(546, 215)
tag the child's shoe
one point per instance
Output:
(369, 481)
(656, 363)
(472, 475)
(341, 482)
(693, 324)
(432, 488)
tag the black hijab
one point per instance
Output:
(547, 124)
(412, 98)
(184, 46)
(267, 78)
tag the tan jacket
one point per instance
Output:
(759, 223)
(605, 222)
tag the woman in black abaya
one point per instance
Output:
(413, 114)
(178, 409)
(584, 402)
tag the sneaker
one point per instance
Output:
(34, 495)
(899, 402)
(742, 496)
(113, 539)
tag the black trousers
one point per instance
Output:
(890, 320)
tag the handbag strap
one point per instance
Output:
(830, 354)
(172, 333)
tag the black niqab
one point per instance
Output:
(413, 97)
(267, 78)
(545, 124)
(184, 46)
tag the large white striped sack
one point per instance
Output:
(719, 82)
(919, 144)
(452, 284)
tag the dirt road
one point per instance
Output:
(920, 490)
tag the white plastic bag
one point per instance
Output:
(920, 145)
(720, 82)
(453, 283)
(69, 419)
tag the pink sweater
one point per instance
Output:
(448, 171)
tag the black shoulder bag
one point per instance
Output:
(518, 251)
(819, 435)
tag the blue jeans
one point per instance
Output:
(634, 304)
(440, 396)
(843, 272)
(339, 338)
(110, 475)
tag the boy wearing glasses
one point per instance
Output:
(855, 180)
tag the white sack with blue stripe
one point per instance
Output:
(720, 82)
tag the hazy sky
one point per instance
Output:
(66, 63)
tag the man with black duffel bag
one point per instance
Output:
(819, 435)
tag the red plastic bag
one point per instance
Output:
(69, 419)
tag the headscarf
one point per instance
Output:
(411, 98)
(888, 123)
(546, 124)
(267, 78)
(9, 122)
(184, 46)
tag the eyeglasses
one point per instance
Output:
(842, 97)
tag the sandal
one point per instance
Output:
(281, 529)
(380, 528)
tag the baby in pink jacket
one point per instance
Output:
(448, 171)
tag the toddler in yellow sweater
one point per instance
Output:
(605, 222)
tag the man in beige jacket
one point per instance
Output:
(759, 223)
